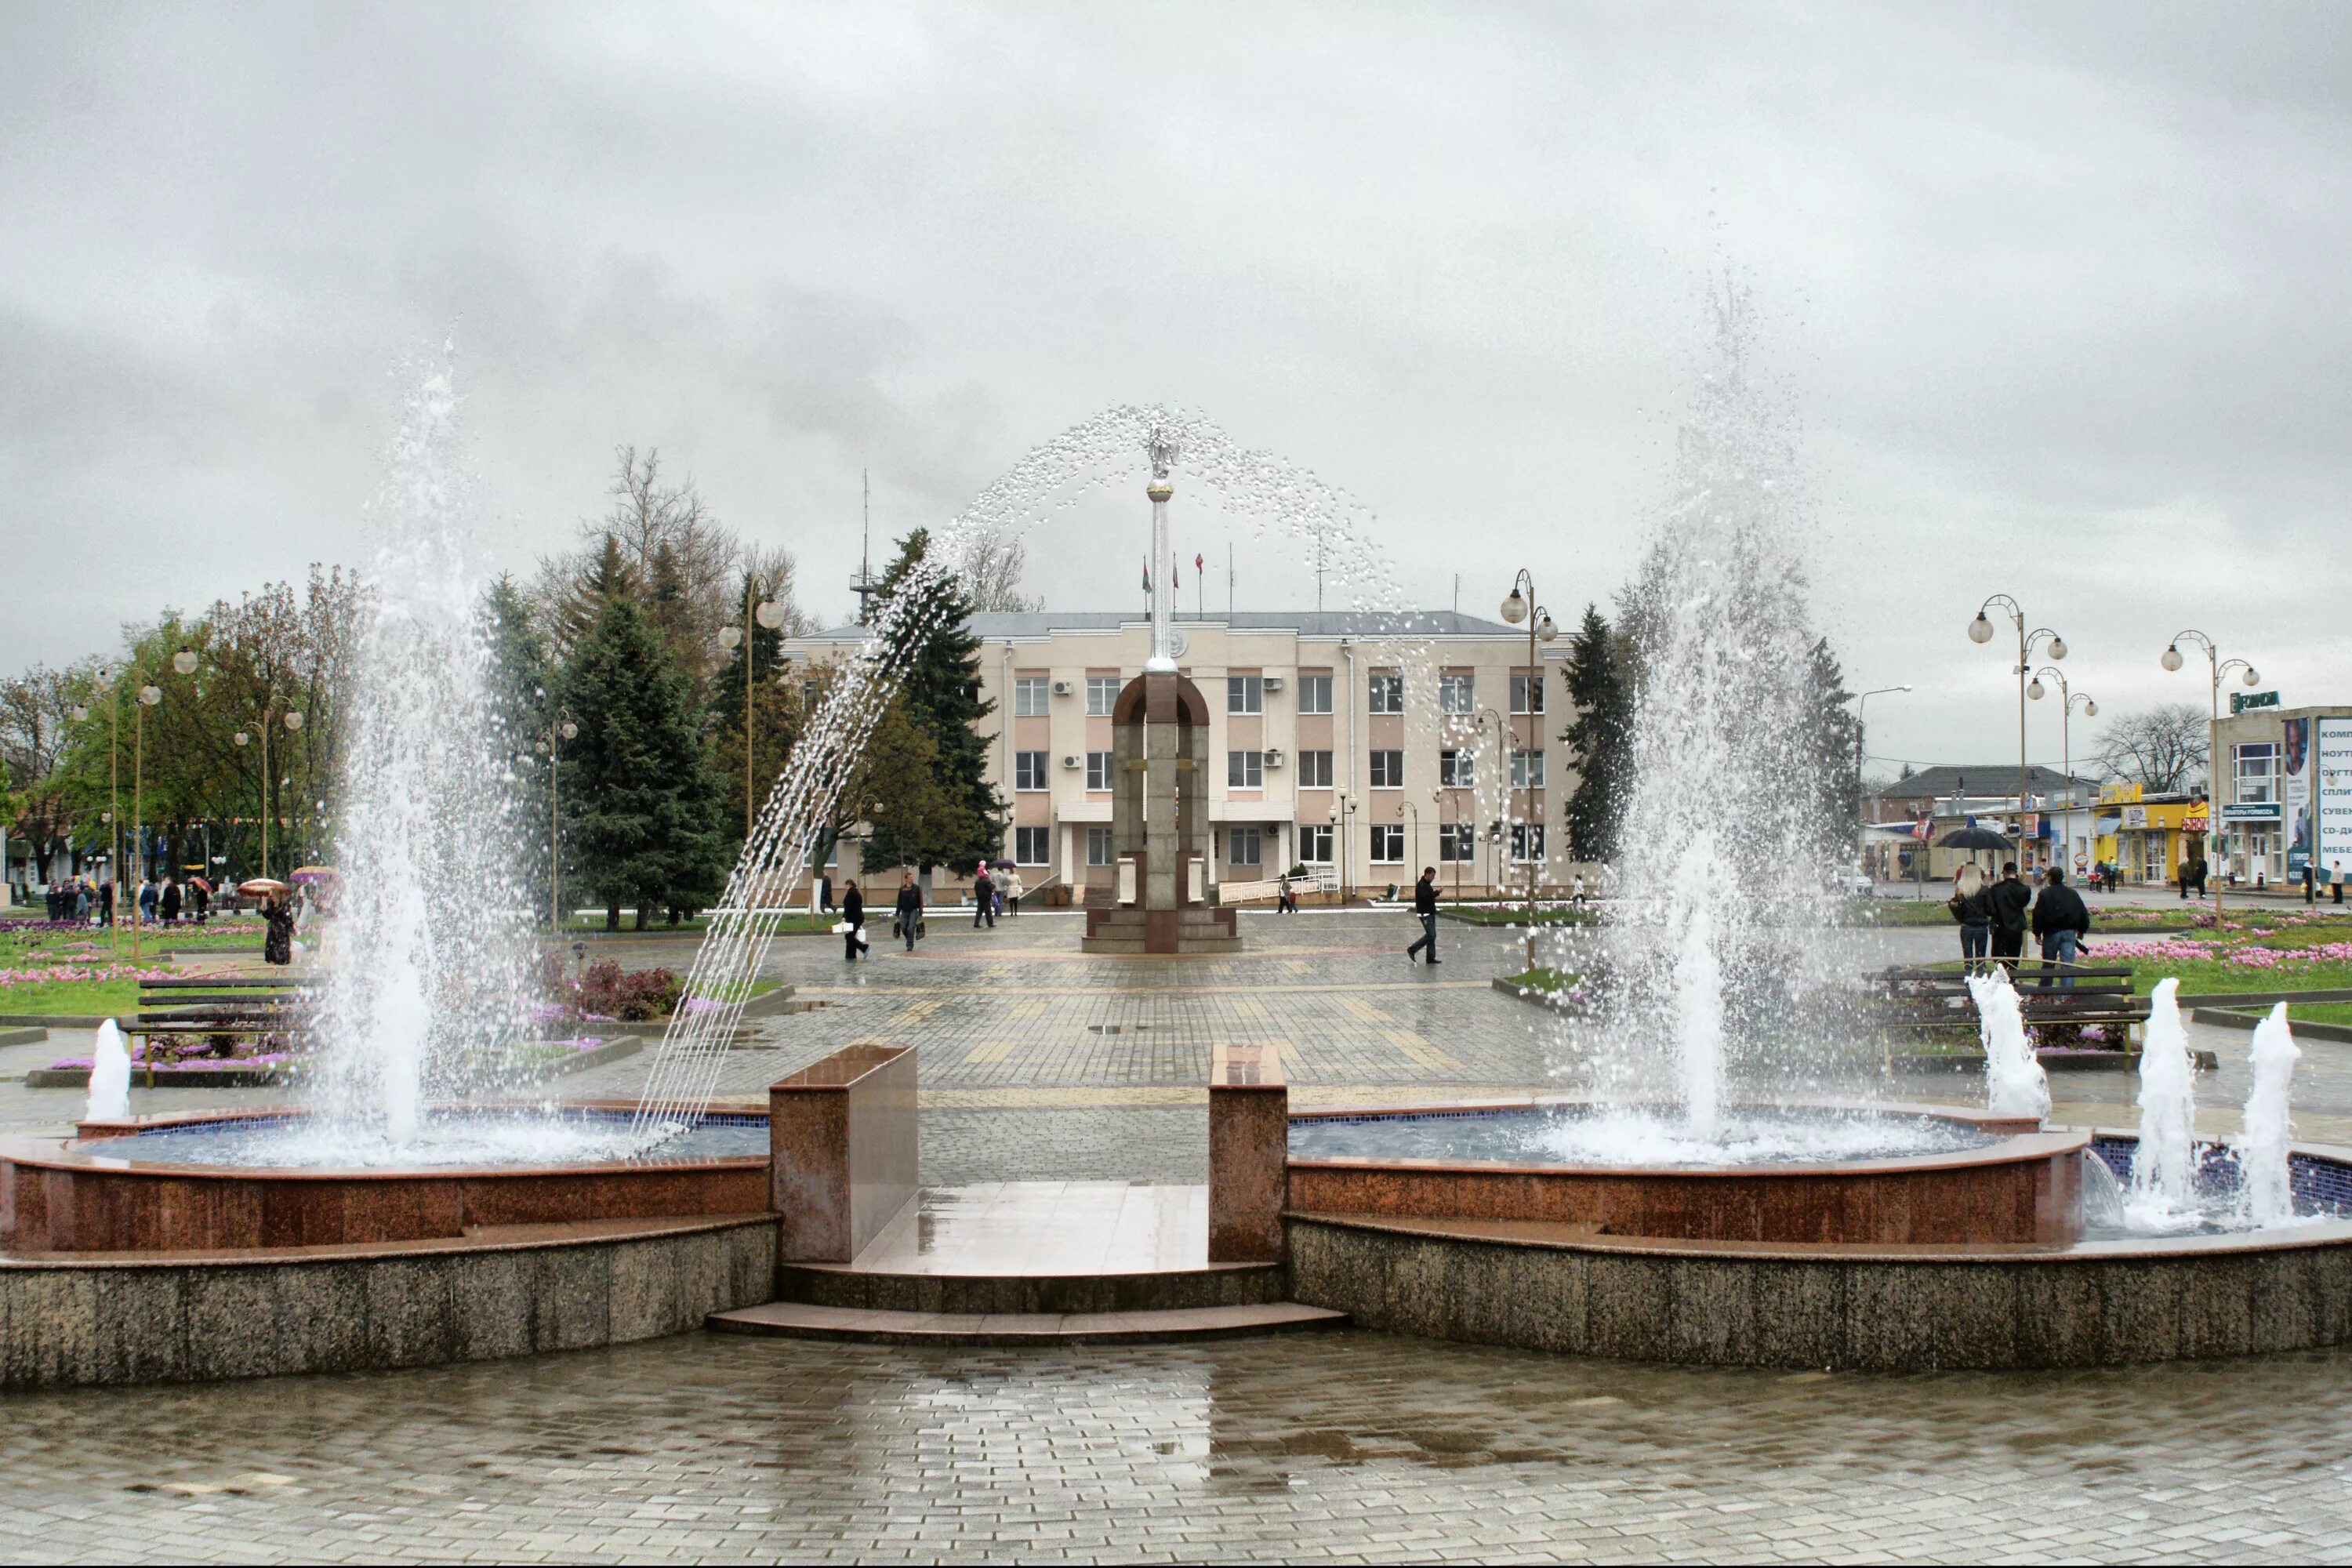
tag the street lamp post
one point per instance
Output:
(2073, 699)
(1860, 732)
(2216, 668)
(1519, 607)
(292, 719)
(1980, 630)
(769, 614)
(103, 685)
(560, 729)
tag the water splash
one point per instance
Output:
(1724, 952)
(429, 991)
(2164, 1167)
(2015, 1084)
(110, 1077)
(2265, 1195)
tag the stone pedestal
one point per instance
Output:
(1249, 1153)
(843, 1157)
(1159, 799)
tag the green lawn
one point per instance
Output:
(1545, 915)
(799, 922)
(1545, 979)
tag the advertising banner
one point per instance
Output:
(2332, 761)
(2294, 794)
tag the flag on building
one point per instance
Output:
(1147, 574)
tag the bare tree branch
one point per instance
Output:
(2160, 749)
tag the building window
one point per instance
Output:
(1314, 844)
(1098, 847)
(1031, 693)
(1244, 770)
(1456, 694)
(1387, 694)
(1314, 770)
(1522, 835)
(1244, 694)
(1527, 770)
(1457, 841)
(2257, 772)
(1245, 847)
(1033, 846)
(1102, 695)
(1524, 687)
(1029, 770)
(1315, 694)
(1457, 770)
(1098, 769)
(812, 695)
(1388, 770)
(1388, 844)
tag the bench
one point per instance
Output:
(2051, 996)
(220, 1007)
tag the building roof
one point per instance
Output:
(1984, 779)
(1306, 623)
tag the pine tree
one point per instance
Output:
(646, 818)
(1599, 738)
(1833, 746)
(521, 707)
(941, 694)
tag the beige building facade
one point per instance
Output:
(1363, 747)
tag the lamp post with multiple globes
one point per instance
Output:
(769, 614)
(292, 719)
(102, 685)
(2073, 700)
(1981, 631)
(2216, 667)
(1519, 607)
(560, 729)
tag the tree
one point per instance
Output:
(1832, 744)
(777, 716)
(1598, 737)
(990, 568)
(673, 547)
(2161, 749)
(941, 692)
(523, 710)
(646, 818)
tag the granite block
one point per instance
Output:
(490, 1305)
(1627, 1300)
(140, 1329)
(570, 1294)
(641, 1299)
(2061, 1314)
(1712, 1322)
(411, 1312)
(52, 1321)
(236, 1324)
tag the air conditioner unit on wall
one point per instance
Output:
(1072, 759)
(1274, 759)
(1062, 689)
(1274, 683)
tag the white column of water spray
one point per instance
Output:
(2164, 1166)
(431, 993)
(2266, 1192)
(1728, 911)
(1107, 448)
(2015, 1084)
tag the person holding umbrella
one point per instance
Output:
(278, 916)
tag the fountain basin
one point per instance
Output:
(1975, 1177)
(121, 1186)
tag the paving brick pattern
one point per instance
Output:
(1343, 1445)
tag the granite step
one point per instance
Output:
(794, 1320)
(848, 1288)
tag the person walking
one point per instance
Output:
(106, 902)
(2009, 898)
(277, 941)
(2336, 878)
(1424, 906)
(200, 889)
(146, 901)
(853, 915)
(2062, 920)
(1013, 892)
(1577, 896)
(1972, 910)
(169, 904)
(825, 893)
(1283, 902)
(909, 916)
(2309, 893)
(983, 898)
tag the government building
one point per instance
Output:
(1361, 746)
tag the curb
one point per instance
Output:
(2228, 1018)
(22, 1036)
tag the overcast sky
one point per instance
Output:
(2062, 294)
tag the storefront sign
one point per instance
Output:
(2241, 701)
(2294, 792)
(2134, 817)
(2332, 761)
(2251, 811)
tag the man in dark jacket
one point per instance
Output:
(983, 898)
(853, 915)
(2009, 898)
(2062, 920)
(1425, 905)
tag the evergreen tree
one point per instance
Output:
(1832, 743)
(941, 694)
(777, 723)
(645, 816)
(521, 709)
(1598, 737)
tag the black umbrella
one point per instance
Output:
(1972, 838)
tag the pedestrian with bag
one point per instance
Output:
(908, 922)
(2062, 920)
(983, 898)
(1013, 892)
(1424, 906)
(853, 924)
(1972, 910)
